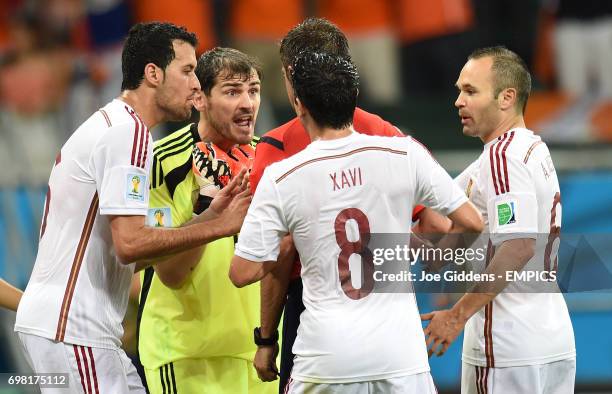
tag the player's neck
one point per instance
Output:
(143, 104)
(209, 134)
(503, 127)
(317, 132)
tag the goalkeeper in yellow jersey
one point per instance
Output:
(195, 327)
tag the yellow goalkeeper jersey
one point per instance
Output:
(208, 316)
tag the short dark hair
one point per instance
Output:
(217, 60)
(509, 71)
(150, 42)
(316, 35)
(327, 85)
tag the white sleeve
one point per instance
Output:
(121, 162)
(512, 205)
(434, 187)
(264, 225)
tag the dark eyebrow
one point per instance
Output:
(231, 84)
(465, 86)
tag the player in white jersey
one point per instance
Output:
(520, 340)
(93, 230)
(331, 197)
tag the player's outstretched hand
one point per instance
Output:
(233, 216)
(443, 328)
(225, 196)
(265, 363)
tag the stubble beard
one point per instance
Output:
(173, 113)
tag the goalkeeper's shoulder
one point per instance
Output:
(171, 154)
(176, 141)
(255, 141)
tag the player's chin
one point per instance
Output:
(469, 132)
(243, 135)
(182, 114)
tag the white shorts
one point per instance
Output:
(552, 378)
(90, 370)
(421, 383)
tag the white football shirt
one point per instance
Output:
(78, 290)
(331, 197)
(514, 185)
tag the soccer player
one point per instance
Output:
(195, 326)
(284, 283)
(93, 228)
(514, 343)
(330, 222)
(9, 296)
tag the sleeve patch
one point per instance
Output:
(135, 187)
(159, 217)
(506, 212)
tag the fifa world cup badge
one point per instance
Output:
(135, 185)
(159, 217)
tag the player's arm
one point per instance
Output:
(273, 297)
(121, 174)
(244, 272)
(175, 269)
(274, 287)
(134, 241)
(172, 270)
(437, 190)
(446, 325)
(431, 224)
(260, 237)
(514, 237)
(9, 296)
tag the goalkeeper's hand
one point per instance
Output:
(211, 174)
(224, 197)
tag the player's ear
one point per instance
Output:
(300, 110)
(506, 98)
(199, 101)
(153, 75)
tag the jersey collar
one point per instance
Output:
(516, 129)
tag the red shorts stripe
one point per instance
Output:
(86, 364)
(78, 360)
(488, 334)
(93, 370)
